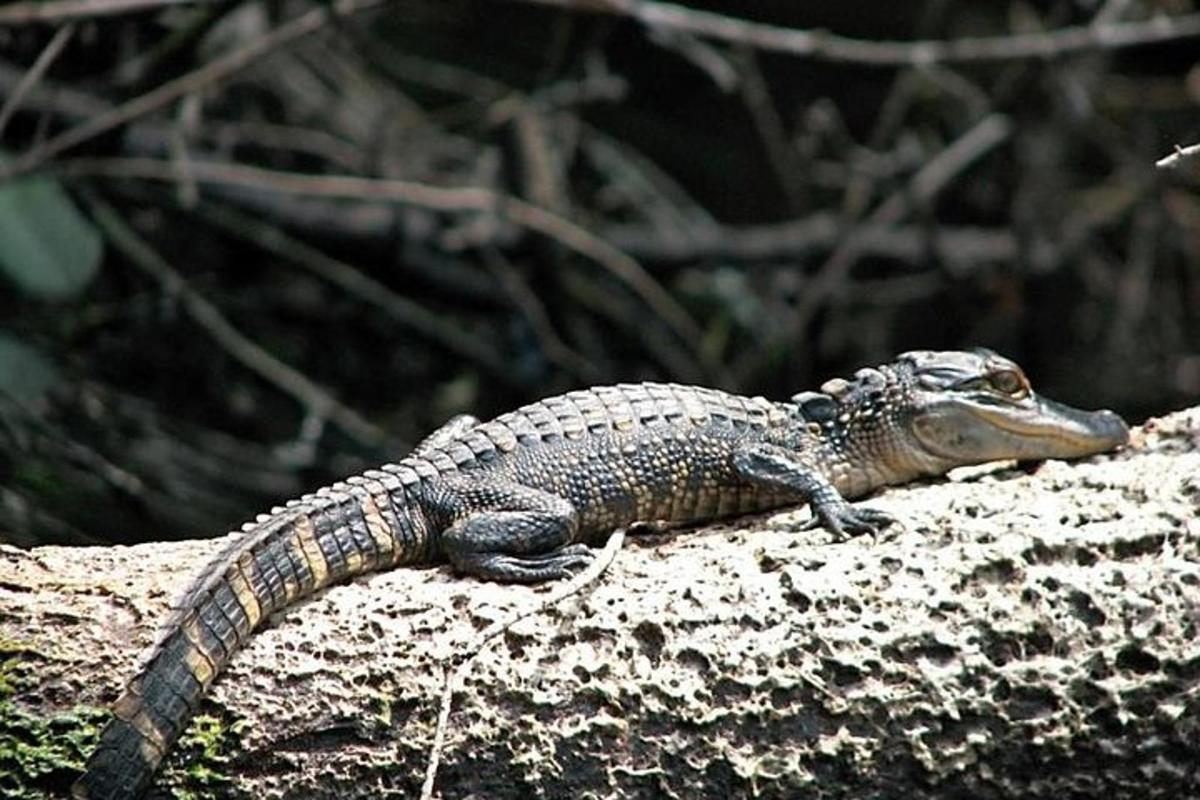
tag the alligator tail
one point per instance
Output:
(319, 540)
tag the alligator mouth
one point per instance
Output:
(975, 428)
(1047, 426)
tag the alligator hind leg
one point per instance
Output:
(516, 535)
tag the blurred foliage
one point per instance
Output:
(47, 249)
(636, 203)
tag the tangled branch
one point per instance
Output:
(825, 46)
(438, 198)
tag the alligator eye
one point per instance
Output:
(1007, 381)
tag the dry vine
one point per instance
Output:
(454, 676)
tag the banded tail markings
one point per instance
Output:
(325, 533)
(209, 621)
(128, 708)
(307, 544)
(203, 664)
(265, 577)
(146, 727)
(362, 555)
(149, 716)
(222, 615)
(306, 540)
(243, 591)
(391, 499)
(381, 534)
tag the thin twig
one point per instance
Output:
(354, 282)
(620, 264)
(530, 305)
(781, 154)
(585, 292)
(1181, 156)
(51, 96)
(23, 13)
(711, 61)
(314, 398)
(980, 139)
(825, 46)
(957, 244)
(438, 198)
(453, 677)
(35, 73)
(71, 104)
(216, 70)
(641, 184)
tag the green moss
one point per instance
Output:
(10, 663)
(39, 755)
(195, 771)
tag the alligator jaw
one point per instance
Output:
(1053, 430)
(964, 430)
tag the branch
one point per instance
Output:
(1181, 156)
(960, 245)
(24, 13)
(315, 399)
(357, 284)
(526, 301)
(986, 134)
(214, 71)
(30, 79)
(438, 198)
(824, 46)
(1038, 643)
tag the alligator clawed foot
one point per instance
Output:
(529, 568)
(567, 561)
(845, 521)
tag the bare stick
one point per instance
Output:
(980, 139)
(771, 131)
(23, 13)
(35, 73)
(216, 70)
(1181, 156)
(958, 244)
(526, 301)
(354, 282)
(825, 46)
(629, 271)
(468, 198)
(453, 677)
(314, 398)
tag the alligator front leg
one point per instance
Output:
(775, 467)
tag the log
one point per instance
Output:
(1023, 633)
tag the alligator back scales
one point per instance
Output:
(518, 498)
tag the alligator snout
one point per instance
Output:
(1109, 428)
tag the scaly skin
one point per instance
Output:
(520, 497)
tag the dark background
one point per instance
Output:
(181, 349)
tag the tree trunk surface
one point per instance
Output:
(1019, 634)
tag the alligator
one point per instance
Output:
(521, 499)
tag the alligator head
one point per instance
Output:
(929, 412)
